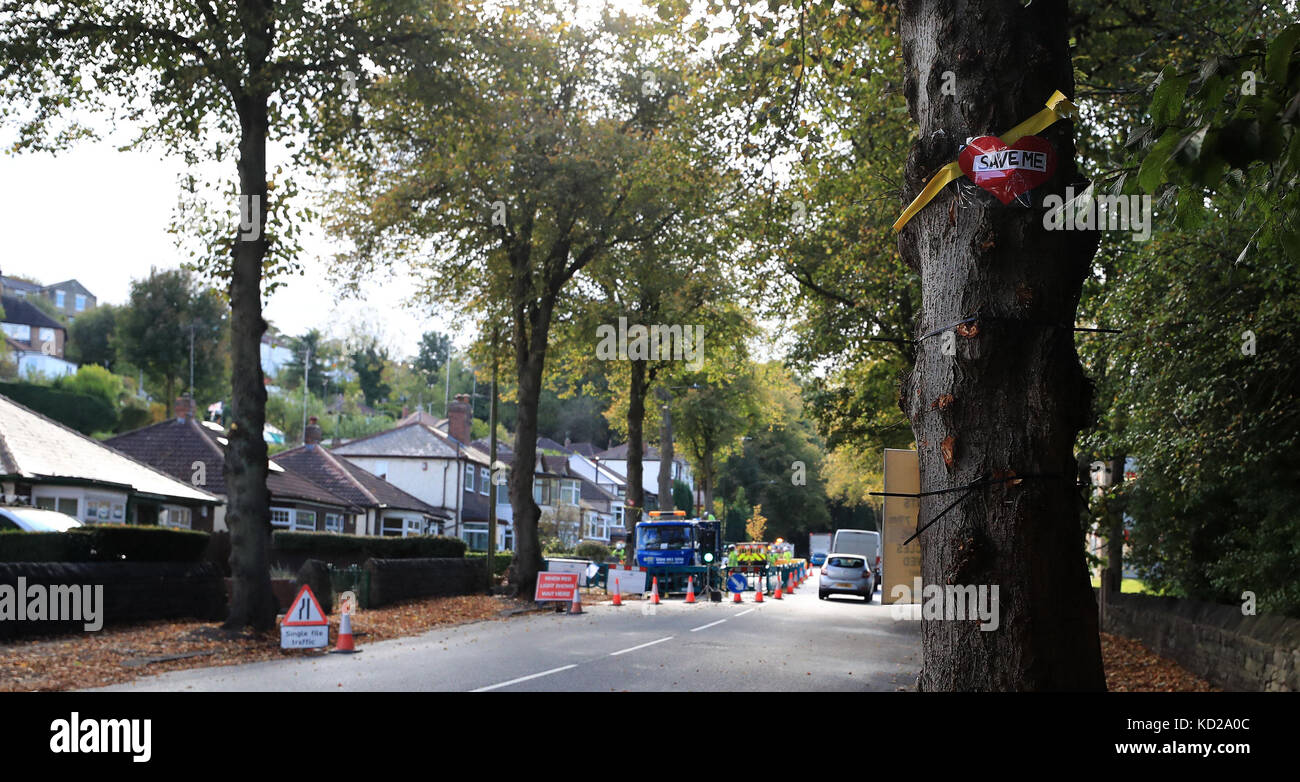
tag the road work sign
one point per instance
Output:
(304, 625)
(736, 582)
(625, 582)
(900, 564)
(556, 586)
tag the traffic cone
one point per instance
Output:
(736, 599)
(792, 584)
(654, 592)
(777, 596)
(344, 643)
(618, 597)
(690, 589)
(758, 594)
(576, 606)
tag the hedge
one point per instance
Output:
(328, 545)
(501, 563)
(82, 412)
(104, 543)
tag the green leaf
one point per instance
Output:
(1279, 54)
(1152, 173)
(1167, 103)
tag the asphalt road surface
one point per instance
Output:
(796, 644)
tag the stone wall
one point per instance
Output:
(1231, 651)
(393, 580)
(132, 591)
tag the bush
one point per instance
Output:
(328, 545)
(593, 550)
(82, 412)
(104, 543)
(501, 563)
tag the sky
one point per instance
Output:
(101, 216)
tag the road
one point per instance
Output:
(796, 644)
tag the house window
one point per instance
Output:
(175, 517)
(280, 517)
(333, 522)
(47, 337)
(569, 492)
(469, 477)
(101, 510)
(398, 527)
(64, 505)
(618, 515)
(483, 480)
(542, 492)
(60, 299)
(305, 520)
(508, 540)
(475, 534)
(19, 331)
(81, 302)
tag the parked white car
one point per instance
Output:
(29, 519)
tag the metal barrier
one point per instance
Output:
(351, 578)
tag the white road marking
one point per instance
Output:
(642, 646)
(707, 626)
(525, 678)
(742, 613)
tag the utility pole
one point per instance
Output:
(666, 452)
(191, 363)
(306, 375)
(492, 468)
(446, 394)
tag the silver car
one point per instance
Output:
(846, 574)
(29, 519)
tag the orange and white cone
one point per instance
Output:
(758, 593)
(736, 599)
(618, 594)
(792, 584)
(654, 592)
(344, 643)
(690, 589)
(777, 596)
(576, 606)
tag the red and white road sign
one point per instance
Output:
(556, 586)
(304, 611)
(304, 625)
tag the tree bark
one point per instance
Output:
(666, 455)
(248, 513)
(1018, 394)
(529, 338)
(635, 443)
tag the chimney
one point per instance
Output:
(406, 411)
(312, 434)
(183, 408)
(458, 415)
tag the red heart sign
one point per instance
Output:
(1004, 171)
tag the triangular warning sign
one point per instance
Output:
(304, 610)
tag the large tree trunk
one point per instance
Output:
(1018, 393)
(248, 511)
(636, 442)
(530, 358)
(666, 456)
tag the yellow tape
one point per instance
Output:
(1058, 107)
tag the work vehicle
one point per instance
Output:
(859, 541)
(674, 549)
(846, 574)
(819, 545)
(29, 519)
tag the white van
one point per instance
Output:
(859, 541)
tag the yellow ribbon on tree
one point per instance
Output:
(1058, 107)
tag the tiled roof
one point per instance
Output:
(33, 446)
(354, 484)
(173, 446)
(413, 440)
(619, 452)
(23, 312)
(591, 491)
(583, 449)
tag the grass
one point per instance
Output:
(1131, 586)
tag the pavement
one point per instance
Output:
(799, 643)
